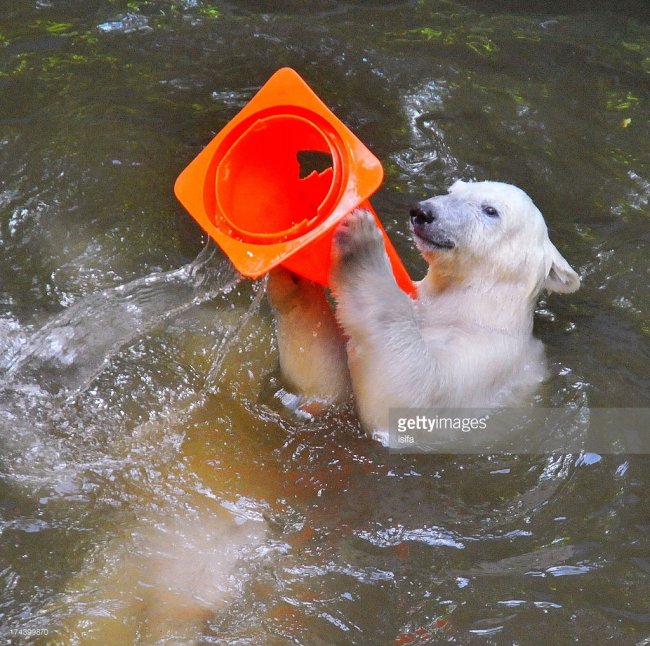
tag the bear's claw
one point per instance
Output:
(358, 234)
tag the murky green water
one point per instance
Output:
(152, 486)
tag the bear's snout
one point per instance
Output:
(425, 225)
(422, 213)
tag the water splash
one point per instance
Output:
(73, 348)
(62, 427)
(126, 24)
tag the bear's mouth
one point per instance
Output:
(433, 239)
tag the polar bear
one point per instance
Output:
(466, 340)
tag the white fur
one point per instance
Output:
(466, 341)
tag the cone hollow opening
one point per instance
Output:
(279, 178)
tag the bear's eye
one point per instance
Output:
(491, 211)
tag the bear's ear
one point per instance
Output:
(459, 183)
(559, 275)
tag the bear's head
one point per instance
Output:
(483, 234)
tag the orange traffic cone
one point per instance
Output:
(246, 191)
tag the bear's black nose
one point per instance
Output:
(422, 214)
